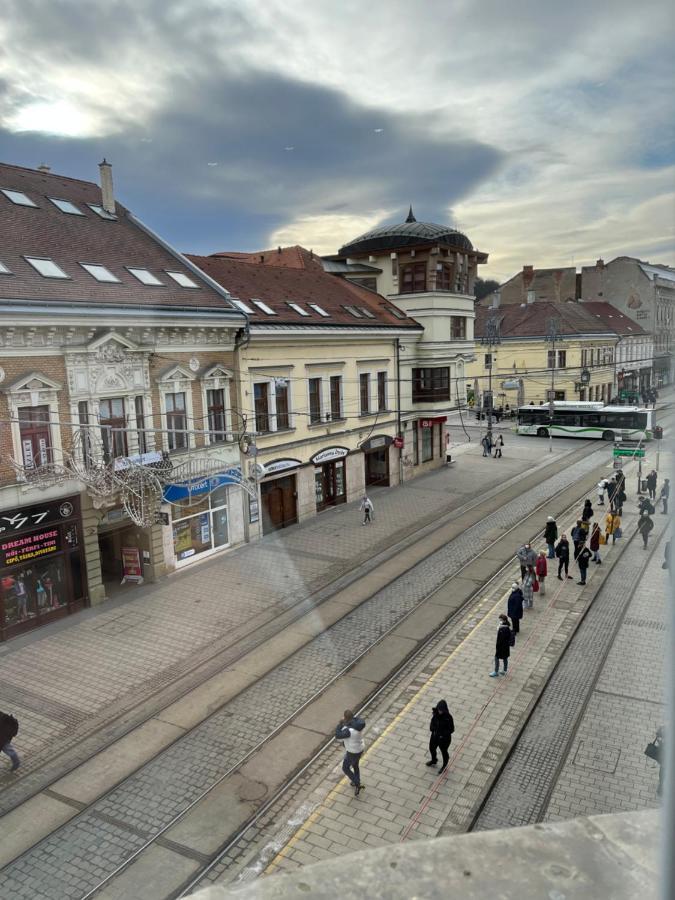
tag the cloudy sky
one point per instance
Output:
(542, 130)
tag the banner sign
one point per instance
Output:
(198, 486)
(29, 547)
(13, 520)
(329, 454)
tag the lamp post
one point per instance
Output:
(490, 339)
(553, 337)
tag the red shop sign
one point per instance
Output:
(398, 442)
(29, 547)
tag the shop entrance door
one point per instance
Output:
(329, 482)
(377, 467)
(279, 503)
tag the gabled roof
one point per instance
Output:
(278, 286)
(43, 230)
(614, 318)
(295, 257)
(532, 320)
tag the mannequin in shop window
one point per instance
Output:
(21, 598)
(41, 594)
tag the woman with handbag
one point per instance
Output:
(612, 525)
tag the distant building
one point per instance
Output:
(536, 285)
(634, 349)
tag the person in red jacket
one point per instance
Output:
(541, 569)
(594, 543)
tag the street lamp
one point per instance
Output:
(490, 339)
(553, 337)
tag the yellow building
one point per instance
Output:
(526, 364)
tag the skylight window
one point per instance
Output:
(4, 270)
(67, 207)
(298, 309)
(103, 213)
(46, 267)
(366, 312)
(264, 307)
(243, 307)
(317, 308)
(182, 279)
(100, 273)
(354, 311)
(396, 312)
(18, 197)
(144, 276)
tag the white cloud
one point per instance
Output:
(325, 233)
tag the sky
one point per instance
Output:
(544, 131)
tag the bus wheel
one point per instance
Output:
(542, 432)
(608, 435)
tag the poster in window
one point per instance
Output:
(132, 569)
(253, 510)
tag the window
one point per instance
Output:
(100, 273)
(488, 360)
(243, 307)
(559, 395)
(457, 328)
(443, 277)
(19, 198)
(4, 270)
(364, 392)
(298, 309)
(427, 444)
(103, 213)
(261, 404)
(414, 278)
(46, 267)
(67, 207)
(182, 279)
(550, 359)
(416, 444)
(113, 424)
(176, 420)
(264, 307)
(144, 276)
(430, 385)
(336, 397)
(394, 265)
(35, 436)
(583, 359)
(369, 283)
(319, 309)
(381, 391)
(366, 312)
(215, 412)
(140, 425)
(562, 359)
(314, 400)
(399, 314)
(283, 413)
(354, 311)
(85, 434)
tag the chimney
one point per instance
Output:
(43, 167)
(600, 264)
(496, 299)
(107, 195)
(279, 249)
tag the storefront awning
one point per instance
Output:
(197, 486)
(432, 420)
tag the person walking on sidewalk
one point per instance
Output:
(645, 506)
(9, 728)
(651, 484)
(529, 582)
(562, 551)
(350, 730)
(514, 606)
(367, 509)
(612, 524)
(505, 640)
(526, 557)
(441, 727)
(551, 535)
(578, 537)
(663, 496)
(644, 526)
(594, 543)
(541, 571)
(499, 443)
(583, 559)
(487, 446)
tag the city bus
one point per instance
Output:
(587, 420)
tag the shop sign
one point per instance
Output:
(47, 513)
(131, 565)
(277, 465)
(29, 547)
(139, 459)
(253, 510)
(511, 384)
(329, 454)
(436, 420)
(381, 440)
(196, 486)
(399, 443)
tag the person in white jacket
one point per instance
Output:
(367, 509)
(601, 488)
(350, 730)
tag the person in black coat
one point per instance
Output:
(514, 606)
(441, 728)
(562, 551)
(9, 728)
(651, 484)
(587, 511)
(503, 645)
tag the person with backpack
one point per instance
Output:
(505, 640)
(350, 730)
(583, 559)
(551, 535)
(441, 727)
(578, 536)
(645, 507)
(644, 526)
(9, 728)
(587, 511)
(514, 606)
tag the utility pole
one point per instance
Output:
(490, 339)
(553, 337)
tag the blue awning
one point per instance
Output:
(199, 486)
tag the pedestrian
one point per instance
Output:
(594, 543)
(663, 496)
(526, 557)
(651, 484)
(620, 479)
(612, 526)
(505, 640)
(367, 509)
(350, 730)
(530, 585)
(583, 559)
(666, 556)
(9, 728)
(499, 443)
(514, 606)
(654, 750)
(619, 499)
(578, 537)
(601, 488)
(541, 571)
(644, 526)
(645, 507)
(551, 535)
(587, 511)
(487, 446)
(441, 727)
(562, 551)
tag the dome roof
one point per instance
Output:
(408, 233)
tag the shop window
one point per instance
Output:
(262, 408)
(283, 411)
(314, 400)
(427, 444)
(416, 444)
(336, 397)
(457, 328)
(414, 278)
(35, 436)
(202, 528)
(176, 421)
(113, 424)
(430, 385)
(364, 393)
(381, 391)
(140, 425)
(215, 411)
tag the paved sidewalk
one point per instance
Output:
(404, 799)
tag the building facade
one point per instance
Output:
(532, 285)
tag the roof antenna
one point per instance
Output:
(411, 215)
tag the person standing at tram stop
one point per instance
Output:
(594, 543)
(530, 585)
(441, 727)
(350, 730)
(645, 526)
(665, 493)
(514, 606)
(612, 526)
(526, 557)
(541, 571)
(505, 640)
(551, 535)
(587, 511)
(562, 551)
(651, 483)
(583, 559)
(601, 488)
(578, 537)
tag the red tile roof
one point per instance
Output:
(532, 320)
(295, 257)
(277, 285)
(614, 318)
(46, 231)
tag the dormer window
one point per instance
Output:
(243, 307)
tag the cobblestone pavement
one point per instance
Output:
(163, 788)
(404, 799)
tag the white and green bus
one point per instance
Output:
(587, 420)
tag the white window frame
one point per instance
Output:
(322, 399)
(370, 394)
(386, 390)
(177, 381)
(214, 379)
(24, 394)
